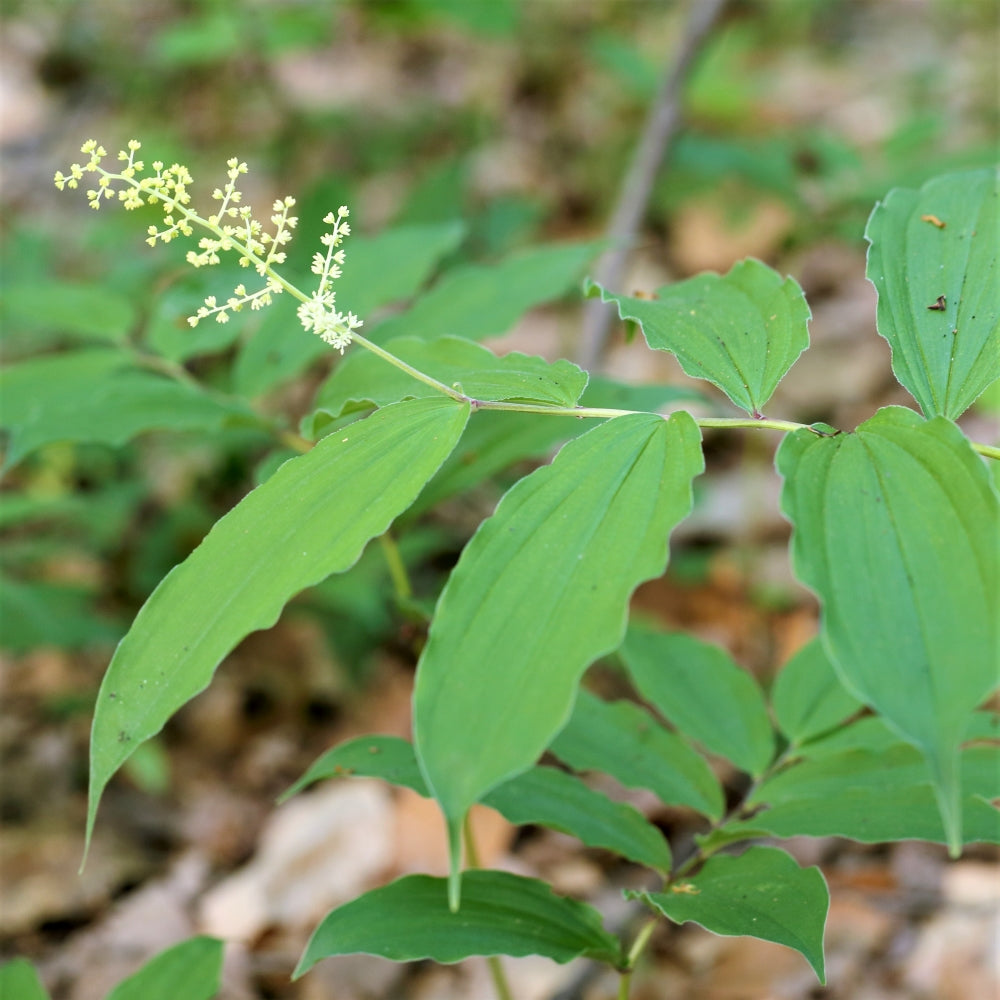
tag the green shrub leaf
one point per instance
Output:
(540, 592)
(934, 259)
(191, 969)
(502, 914)
(741, 331)
(897, 531)
(808, 697)
(19, 981)
(312, 518)
(623, 740)
(877, 795)
(97, 395)
(549, 797)
(762, 893)
(542, 795)
(387, 757)
(364, 380)
(480, 300)
(698, 688)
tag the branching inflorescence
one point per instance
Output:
(233, 228)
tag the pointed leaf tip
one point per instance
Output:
(933, 257)
(897, 530)
(539, 593)
(313, 517)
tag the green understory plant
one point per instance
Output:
(874, 731)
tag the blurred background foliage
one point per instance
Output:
(477, 142)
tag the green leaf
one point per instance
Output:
(378, 270)
(538, 594)
(386, 757)
(541, 795)
(553, 798)
(364, 380)
(19, 981)
(480, 301)
(897, 530)
(191, 969)
(741, 331)
(698, 688)
(502, 914)
(934, 260)
(762, 893)
(312, 518)
(877, 796)
(85, 311)
(623, 740)
(98, 396)
(807, 696)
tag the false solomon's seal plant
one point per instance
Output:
(873, 731)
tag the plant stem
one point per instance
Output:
(409, 369)
(583, 412)
(638, 946)
(497, 974)
(397, 568)
(637, 186)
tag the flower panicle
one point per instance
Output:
(232, 228)
(319, 314)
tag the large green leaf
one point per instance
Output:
(19, 981)
(502, 914)
(897, 530)
(741, 331)
(378, 270)
(310, 519)
(540, 592)
(364, 380)
(191, 969)
(554, 798)
(934, 259)
(98, 395)
(762, 893)
(808, 697)
(877, 795)
(698, 688)
(542, 795)
(480, 301)
(623, 740)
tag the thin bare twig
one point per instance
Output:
(661, 127)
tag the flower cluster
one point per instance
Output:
(232, 227)
(318, 313)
